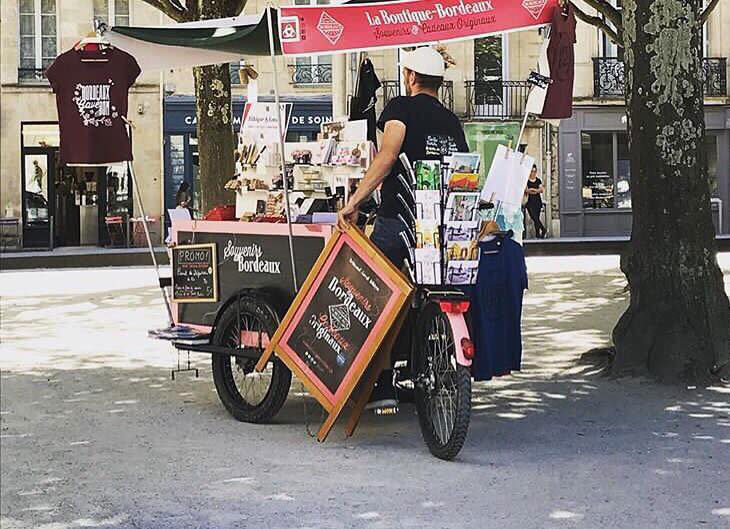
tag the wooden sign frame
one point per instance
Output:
(214, 264)
(391, 315)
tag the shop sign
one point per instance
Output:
(344, 311)
(312, 119)
(259, 123)
(328, 29)
(305, 116)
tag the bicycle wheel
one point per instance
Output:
(442, 386)
(248, 395)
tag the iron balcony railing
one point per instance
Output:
(608, 77)
(391, 89)
(31, 75)
(311, 73)
(496, 99)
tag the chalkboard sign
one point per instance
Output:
(194, 273)
(339, 318)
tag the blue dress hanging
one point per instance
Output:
(496, 308)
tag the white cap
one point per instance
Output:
(424, 60)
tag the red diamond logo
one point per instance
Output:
(330, 28)
(535, 7)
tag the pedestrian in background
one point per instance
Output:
(533, 192)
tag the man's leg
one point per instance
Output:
(386, 236)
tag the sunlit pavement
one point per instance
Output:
(95, 434)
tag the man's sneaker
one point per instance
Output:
(383, 399)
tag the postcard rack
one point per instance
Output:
(442, 210)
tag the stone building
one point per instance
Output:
(582, 163)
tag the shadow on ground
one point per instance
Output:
(95, 434)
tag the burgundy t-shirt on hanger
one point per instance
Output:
(91, 96)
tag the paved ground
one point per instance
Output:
(95, 434)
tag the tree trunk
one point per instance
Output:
(677, 326)
(213, 111)
(215, 134)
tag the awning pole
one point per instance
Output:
(281, 147)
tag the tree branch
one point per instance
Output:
(610, 12)
(600, 24)
(708, 11)
(169, 8)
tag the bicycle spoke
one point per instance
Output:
(252, 386)
(441, 370)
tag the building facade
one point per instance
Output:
(67, 206)
(594, 191)
(583, 162)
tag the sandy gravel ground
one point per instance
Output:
(95, 434)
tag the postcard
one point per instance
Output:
(461, 231)
(462, 206)
(427, 234)
(462, 272)
(428, 205)
(428, 174)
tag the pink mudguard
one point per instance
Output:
(460, 330)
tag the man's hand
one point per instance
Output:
(346, 216)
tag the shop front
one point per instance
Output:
(181, 142)
(69, 206)
(595, 172)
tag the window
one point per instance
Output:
(488, 64)
(37, 37)
(610, 49)
(711, 152)
(598, 175)
(623, 172)
(112, 12)
(705, 33)
(312, 70)
(606, 170)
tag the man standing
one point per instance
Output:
(422, 128)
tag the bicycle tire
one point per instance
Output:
(444, 443)
(229, 392)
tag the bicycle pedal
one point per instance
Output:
(390, 410)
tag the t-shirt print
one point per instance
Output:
(91, 98)
(440, 145)
(94, 104)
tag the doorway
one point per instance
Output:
(37, 174)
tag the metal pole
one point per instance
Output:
(281, 147)
(522, 130)
(149, 242)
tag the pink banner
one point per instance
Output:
(328, 29)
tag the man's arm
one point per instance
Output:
(393, 136)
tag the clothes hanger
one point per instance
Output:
(92, 39)
(564, 9)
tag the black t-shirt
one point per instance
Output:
(432, 131)
(534, 199)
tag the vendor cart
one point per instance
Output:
(432, 357)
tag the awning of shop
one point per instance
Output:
(195, 43)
